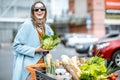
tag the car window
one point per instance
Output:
(115, 35)
(111, 35)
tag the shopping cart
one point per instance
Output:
(37, 73)
(42, 76)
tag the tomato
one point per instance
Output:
(110, 76)
(115, 74)
(113, 78)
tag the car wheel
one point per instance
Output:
(116, 58)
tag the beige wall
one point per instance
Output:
(97, 10)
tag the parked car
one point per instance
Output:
(66, 36)
(110, 35)
(83, 44)
(108, 48)
(80, 39)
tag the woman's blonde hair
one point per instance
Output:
(37, 22)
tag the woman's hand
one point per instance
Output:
(39, 49)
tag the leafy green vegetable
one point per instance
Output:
(94, 69)
(49, 42)
(97, 60)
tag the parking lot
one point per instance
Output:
(6, 58)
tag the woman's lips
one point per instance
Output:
(39, 14)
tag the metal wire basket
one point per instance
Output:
(41, 75)
(37, 73)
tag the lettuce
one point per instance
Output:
(49, 42)
(94, 69)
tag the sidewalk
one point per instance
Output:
(6, 61)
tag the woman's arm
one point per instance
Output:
(20, 41)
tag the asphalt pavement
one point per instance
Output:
(6, 58)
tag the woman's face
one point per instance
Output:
(39, 11)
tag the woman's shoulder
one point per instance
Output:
(47, 25)
(48, 29)
(25, 27)
(26, 24)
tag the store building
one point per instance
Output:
(112, 18)
(97, 17)
(103, 17)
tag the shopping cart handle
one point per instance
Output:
(32, 68)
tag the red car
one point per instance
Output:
(108, 48)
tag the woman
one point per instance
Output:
(27, 50)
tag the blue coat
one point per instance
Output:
(25, 43)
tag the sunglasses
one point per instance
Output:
(36, 9)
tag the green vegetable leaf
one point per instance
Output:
(94, 69)
(49, 42)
